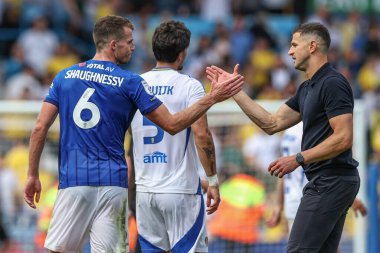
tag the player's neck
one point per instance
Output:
(100, 56)
(314, 66)
(162, 65)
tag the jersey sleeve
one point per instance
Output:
(139, 91)
(293, 102)
(53, 94)
(197, 92)
(337, 97)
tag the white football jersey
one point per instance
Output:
(166, 163)
(295, 181)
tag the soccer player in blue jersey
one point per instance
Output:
(96, 101)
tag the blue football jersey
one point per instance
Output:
(97, 101)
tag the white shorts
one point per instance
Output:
(173, 222)
(83, 212)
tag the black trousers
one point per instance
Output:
(3, 234)
(319, 221)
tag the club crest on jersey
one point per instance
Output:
(156, 157)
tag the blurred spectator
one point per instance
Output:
(143, 55)
(268, 92)
(322, 15)
(280, 75)
(221, 41)
(372, 44)
(110, 7)
(39, 44)
(300, 8)
(46, 82)
(204, 55)
(349, 29)
(259, 30)
(2, 6)
(74, 15)
(10, 195)
(237, 221)
(23, 86)
(233, 160)
(9, 19)
(241, 41)
(63, 57)
(375, 125)
(275, 6)
(369, 74)
(356, 90)
(171, 6)
(290, 89)
(262, 60)
(14, 64)
(353, 61)
(257, 157)
(245, 7)
(215, 10)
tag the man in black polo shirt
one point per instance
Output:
(325, 105)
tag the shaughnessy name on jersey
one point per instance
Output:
(94, 77)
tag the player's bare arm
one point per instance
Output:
(220, 90)
(271, 123)
(37, 141)
(206, 151)
(339, 141)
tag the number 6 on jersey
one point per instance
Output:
(83, 104)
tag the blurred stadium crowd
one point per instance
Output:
(38, 38)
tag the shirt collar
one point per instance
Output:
(163, 68)
(320, 73)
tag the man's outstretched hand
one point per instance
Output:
(215, 73)
(223, 84)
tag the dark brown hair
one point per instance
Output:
(318, 30)
(169, 39)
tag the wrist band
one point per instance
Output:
(213, 180)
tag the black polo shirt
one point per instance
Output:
(326, 95)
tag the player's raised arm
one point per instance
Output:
(271, 123)
(220, 91)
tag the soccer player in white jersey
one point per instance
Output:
(169, 206)
(96, 101)
(289, 188)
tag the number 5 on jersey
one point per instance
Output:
(153, 139)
